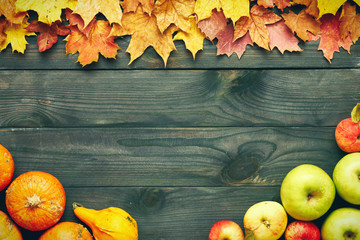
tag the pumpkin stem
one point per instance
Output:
(33, 202)
(76, 205)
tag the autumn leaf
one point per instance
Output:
(282, 38)
(213, 25)
(76, 20)
(350, 22)
(8, 9)
(311, 7)
(48, 11)
(174, 11)
(357, 2)
(131, 5)
(329, 6)
(281, 4)
(256, 25)
(301, 24)
(330, 39)
(3, 25)
(227, 46)
(48, 33)
(88, 9)
(233, 9)
(145, 33)
(89, 47)
(15, 35)
(193, 39)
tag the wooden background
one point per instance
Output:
(180, 147)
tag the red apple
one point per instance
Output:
(226, 230)
(301, 230)
(347, 135)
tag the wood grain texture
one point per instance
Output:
(193, 98)
(102, 157)
(173, 213)
(253, 58)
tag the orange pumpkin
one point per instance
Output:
(8, 229)
(67, 231)
(6, 167)
(35, 200)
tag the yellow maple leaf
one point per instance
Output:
(193, 39)
(87, 9)
(15, 35)
(233, 9)
(145, 33)
(357, 2)
(48, 11)
(8, 9)
(174, 11)
(329, 6)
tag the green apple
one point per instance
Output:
(307, 192)
(346, 178)
(266, 220)
(342, 223)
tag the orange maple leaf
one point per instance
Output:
(282, 38)
(3, 25)
(330, 38)
(48, 33)
(311, 7)
(301, 24)
(88, 9)
(8, 9)
(131, 5)
(145, 33)
(213, 25)
(256, 25)
(174, 11)
(350, 22)
(281, 4)
(89, 47)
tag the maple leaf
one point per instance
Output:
(357, 2)
(256, 25)
(15, 35)
(281, 4)
(48, 11)
(213, 25)
(302, 23)
(329, 6)
(311, 7)
(89, 47)
(131, 5)
(330, 39)
(48, 33)
(8, 9)
(174, 11)
(145, 33)
(193, 39)
(76, 20)
(282, 38)
(227, 46)
(350, 22)
(88, 9)
(3, 25)
(232, 9)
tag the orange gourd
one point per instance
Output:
(6, 167)
(35, 200)
(67, 231)
(8, 229)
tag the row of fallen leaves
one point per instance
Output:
(234, 23)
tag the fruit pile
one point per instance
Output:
(307, 193)
(35, 201)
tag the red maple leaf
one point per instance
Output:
(3, 24)
(48, 33)
(282, 37)
(213, 25)
(281, 4)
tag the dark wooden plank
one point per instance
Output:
(170, 157)
(177, 98)
(254, 58)
(173, 213)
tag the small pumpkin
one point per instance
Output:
(35, 200)
(6, 167)
(8, 229)
(108, 224)
(67, 231)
